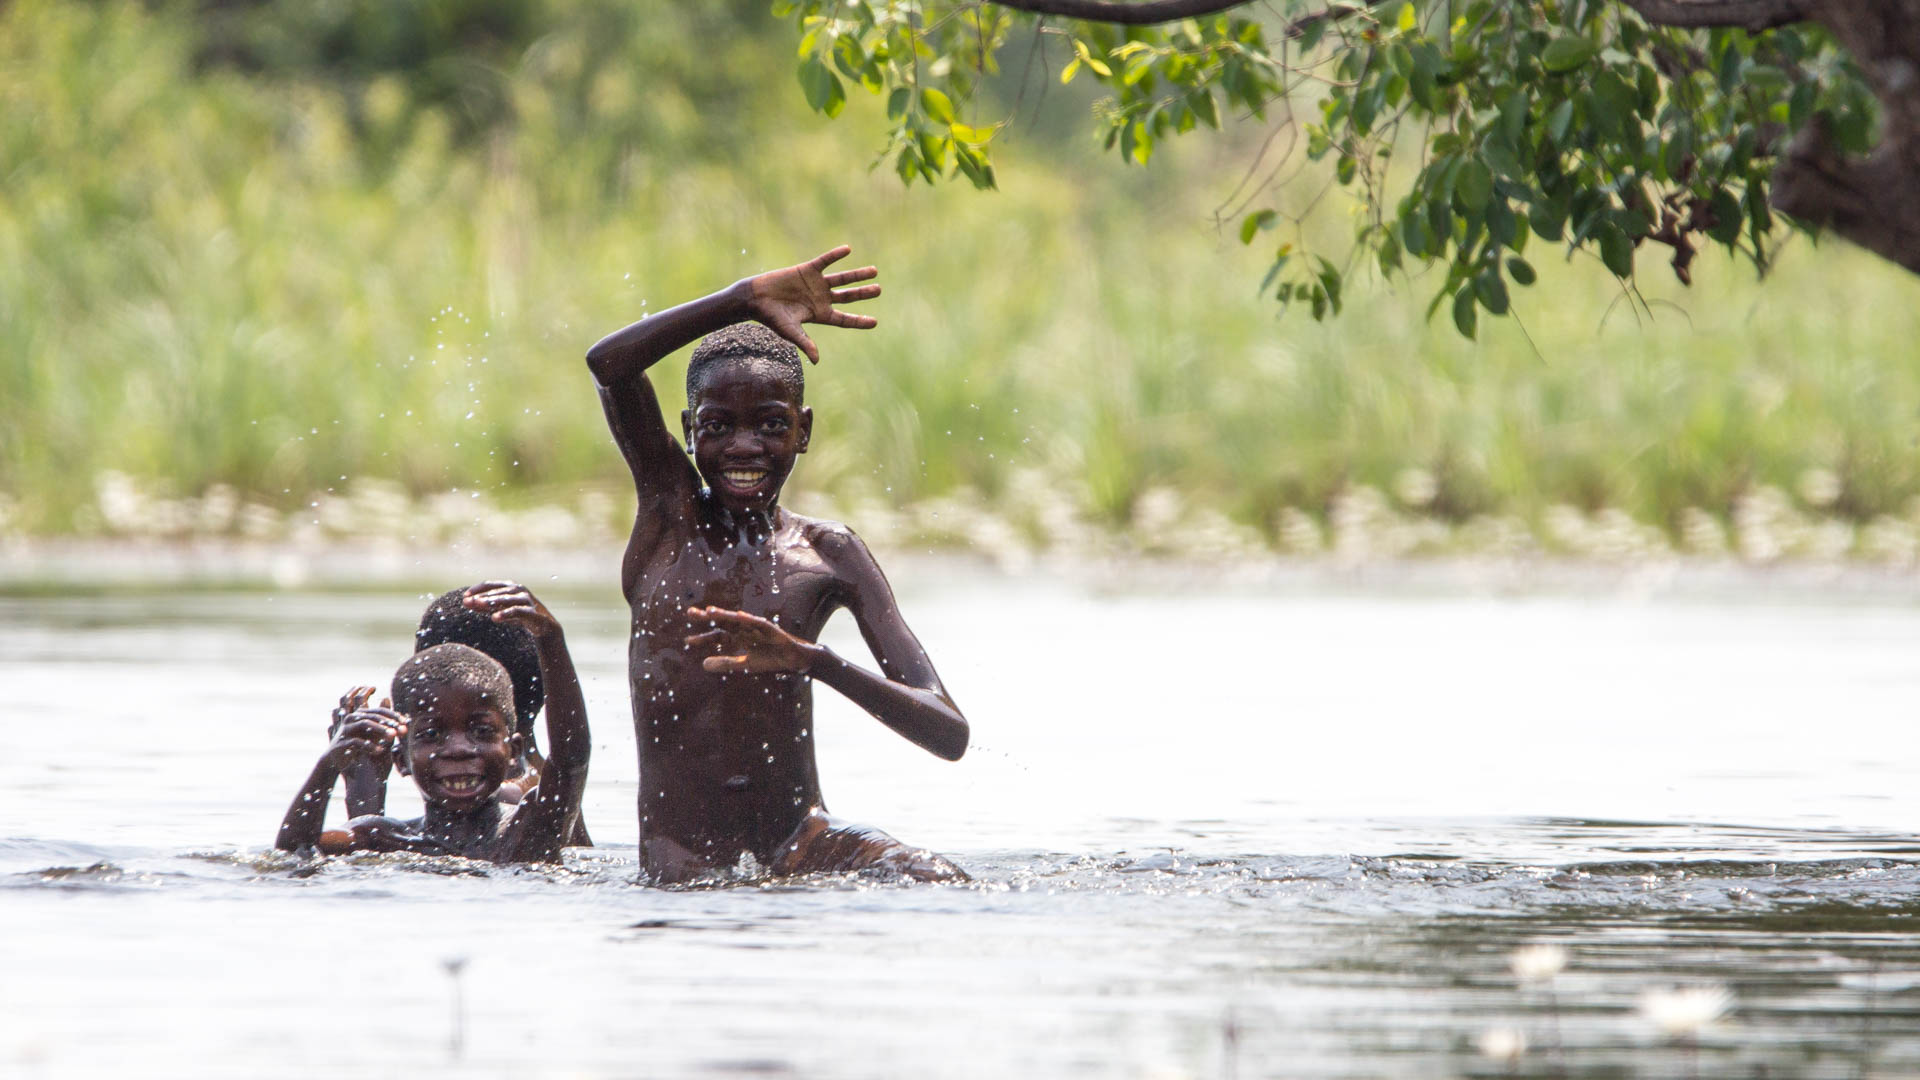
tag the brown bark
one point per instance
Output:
(1873, 201)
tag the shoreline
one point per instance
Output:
(67, 566)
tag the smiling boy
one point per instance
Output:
(453, 717)
(729, 591)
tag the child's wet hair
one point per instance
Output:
(450, 665)
(752, 344)
(448, 620)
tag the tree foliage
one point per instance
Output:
(1479, 137)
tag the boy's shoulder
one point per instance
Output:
(832, 539)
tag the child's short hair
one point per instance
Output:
(754, 344)
(449, 620)
(450, 665)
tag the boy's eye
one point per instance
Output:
(427, 735)
(775, 424)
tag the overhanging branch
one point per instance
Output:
(1146, 13)
(1755, 15)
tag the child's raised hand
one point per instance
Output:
(511, 602)
(367, 735)
(750, 644)
(806, 293)
(350, 702)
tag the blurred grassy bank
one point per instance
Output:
(297, 274)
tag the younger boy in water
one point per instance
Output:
(456, 725)
(452, 618)
(729, 591)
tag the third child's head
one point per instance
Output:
(461, 743)
(746, 417)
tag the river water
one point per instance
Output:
(1215, 832)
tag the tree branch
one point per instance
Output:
(1146, 13)
(1753, 15)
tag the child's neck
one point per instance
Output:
(461, 829)
(750, 526)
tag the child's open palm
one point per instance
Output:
(806, 293)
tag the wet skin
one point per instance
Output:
(729, 592)
(460, 747)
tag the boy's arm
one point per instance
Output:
(363, 737)
(782, 299)
(366, 779)
(906, 695)
(546, 814)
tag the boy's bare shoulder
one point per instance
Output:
(833, 540)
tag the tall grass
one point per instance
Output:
(282, 285)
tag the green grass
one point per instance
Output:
(282, 286)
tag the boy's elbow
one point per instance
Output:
(955, 747)
(597, 362)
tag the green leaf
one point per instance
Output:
(1255, 222)
(1548, 223)
(1727, 217)
(1491, 290)
(1616, 250)
(897, 103)
(1520, 271)
(1563, 54)
(1389, 254)
(938, 105)
(1474, 185)
(1464, 316)
(822, 87)
(1559, 120)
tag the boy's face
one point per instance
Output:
(459, 746)
(745, 431)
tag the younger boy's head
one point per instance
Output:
(746, 417)
(461, 738)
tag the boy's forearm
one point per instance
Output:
(924, 717)
(306, 817)
(567, 734)
(366, 789)
(633, 349)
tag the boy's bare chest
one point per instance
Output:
(785, 580)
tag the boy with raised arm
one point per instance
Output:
(453, 717)
(729, 592)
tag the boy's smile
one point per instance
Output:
(460, 748)
(745, 432)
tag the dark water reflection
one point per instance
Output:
(1146, 903)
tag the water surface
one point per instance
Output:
(1215, 833)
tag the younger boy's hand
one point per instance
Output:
(512, 603)
(806, 293)
(368, 736)
(750, 644)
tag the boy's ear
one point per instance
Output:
(401, 764)
(517, 746)
(686, 427)
(806, 427)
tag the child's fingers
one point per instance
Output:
(807, 346)
(848, 277)
(728, 616)
(854, 322)
(828, 258)
(858, 292)
(701, 641)
(724, 663)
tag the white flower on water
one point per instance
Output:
(1684, 1010)
(1502, 1043)
(1535, 963)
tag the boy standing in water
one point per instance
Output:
(730, 590)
